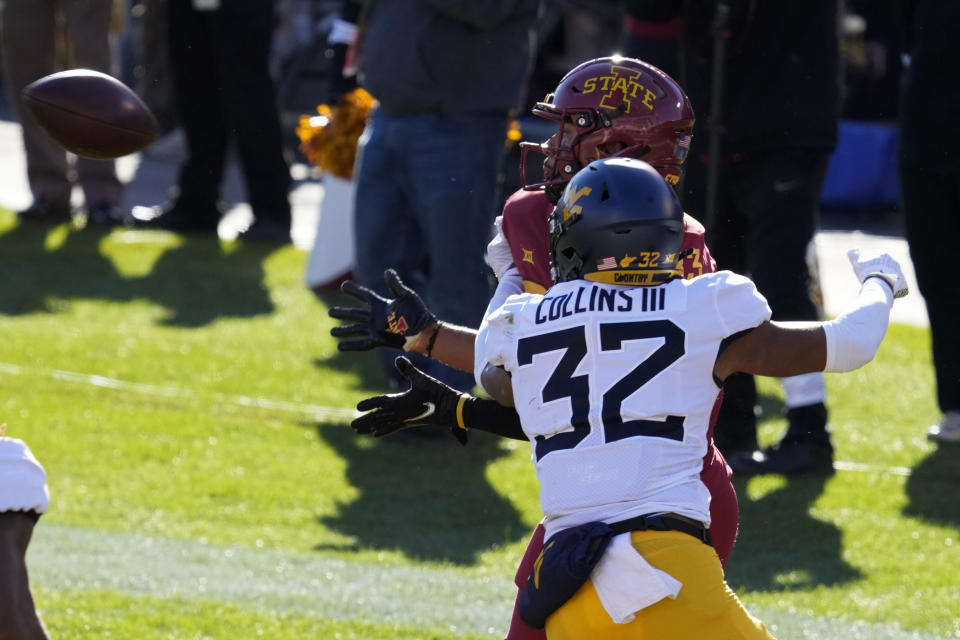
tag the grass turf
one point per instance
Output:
(203, 426)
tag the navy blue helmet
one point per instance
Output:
(618, 222)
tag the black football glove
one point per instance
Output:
(384, 322)
(428, 402)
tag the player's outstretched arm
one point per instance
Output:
(846, 343)
(429, 402)
(401, 322)
(380, 322)
(17, 611)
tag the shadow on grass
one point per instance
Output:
(781, 546)
(933, 485)
(34, 277)
(197, 281)
(426, 497)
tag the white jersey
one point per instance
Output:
(614, 387)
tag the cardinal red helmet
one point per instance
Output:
(613, 100)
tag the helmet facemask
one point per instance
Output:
(643, 115)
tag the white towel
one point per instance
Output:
(627, 583)
(23, 482)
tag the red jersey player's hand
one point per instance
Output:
(498, 251)
(428, 402)
(382, 322)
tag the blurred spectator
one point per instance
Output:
(448, 75)
(40, 37)
(930, 180)
(152, 67)
(23, 498)
(765, 82)
(870, 57)
(219, 57)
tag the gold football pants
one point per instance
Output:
(704, 608)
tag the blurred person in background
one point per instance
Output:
(23, 499)
(152, 64)
(765, 79)
(449, 75)
(930, 180)
(219, 61)
(40, 37)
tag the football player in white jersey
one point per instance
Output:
(614, 372)
(23, 498)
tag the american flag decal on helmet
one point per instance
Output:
(607, 263)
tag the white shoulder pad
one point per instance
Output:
(738, 304)
(496, 340)
(23, 482)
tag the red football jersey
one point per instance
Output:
(526, 226)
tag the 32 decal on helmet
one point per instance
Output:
(617, 222)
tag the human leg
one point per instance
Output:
(385, 231)
(241, 38)
(17, 609)
(455, 168)
(199, 107)
(780, 196)
(88, 22)
(518, 630)
(932, 206)
(705, 607)
(28, 54)
(735, 430)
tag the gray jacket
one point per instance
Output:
(448, 56)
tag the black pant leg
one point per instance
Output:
(199, 103)
(242, 40)
(736, 426)
(931, 203)
(779, 195)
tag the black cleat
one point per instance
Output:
(173, 217)
(790, 456)
(47, 212)
(105, 215)
(267, 230)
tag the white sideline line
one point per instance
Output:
(65, 557)
(317, 412)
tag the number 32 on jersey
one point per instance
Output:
(562, 383)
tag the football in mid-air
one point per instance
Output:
(92, 114)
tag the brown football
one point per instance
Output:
(92, 114)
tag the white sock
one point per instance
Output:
(803, 390)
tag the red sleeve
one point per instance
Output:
(526, 227)
(700, 261)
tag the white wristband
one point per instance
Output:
(854, 337)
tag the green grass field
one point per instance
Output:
(191, 411)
